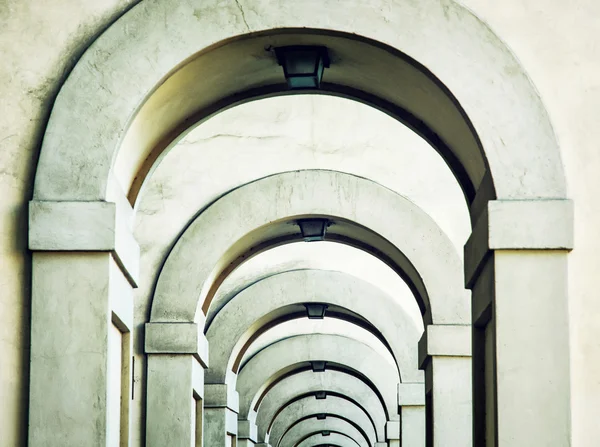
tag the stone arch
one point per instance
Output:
(319, 256)
(233, 326)
(89, 144)
(338, 321)
(334, 439)
(381, 218)
(332, 382)
(309, 406)
(276, 361)
(332, 424)
(128, 75)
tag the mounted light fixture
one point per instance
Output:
(320, 395)
(318, 366)
(325, 432)
(303, 65)
(313, 229)
(321, 416)
(315, 311)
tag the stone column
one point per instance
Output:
(177, 356)
(445, 355)
(221, 407)
(84, 266)
(516, 267)
(411, 403)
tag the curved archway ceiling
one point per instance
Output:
(361, 212)
(297, 132)
(182, 183)
(279, 298)
(329, 326)
(320, 255)
(335, 382)
(211, 80)
(274, 135)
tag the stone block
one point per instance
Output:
(392, 430)
(411, 394)
(519, 225)
(176, 338)
(247, 430)
(445, 340)
(84, 226)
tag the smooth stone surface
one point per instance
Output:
(273, 363)
(308, 382)
(310, 406)
(219, 234)
(235, 324)
(308, 426)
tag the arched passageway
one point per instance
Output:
(296, 198)
(98, 154)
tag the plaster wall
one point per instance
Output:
(555, 41)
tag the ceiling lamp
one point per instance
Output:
(321, 416)
(315, 311)
(320, 395)
(313, 229)
(303, 65)
(318, 366)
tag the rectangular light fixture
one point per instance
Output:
(318, 365)
(315, 311)
(313, 229)
(320, 395)
(303, 65)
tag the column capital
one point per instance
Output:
(247, 430)
(392, 430)
(85, 226)
(450, 340)
(411, 394)
(544, 224)
(219, 395)
(176, 338)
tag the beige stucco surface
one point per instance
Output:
(555, 41)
